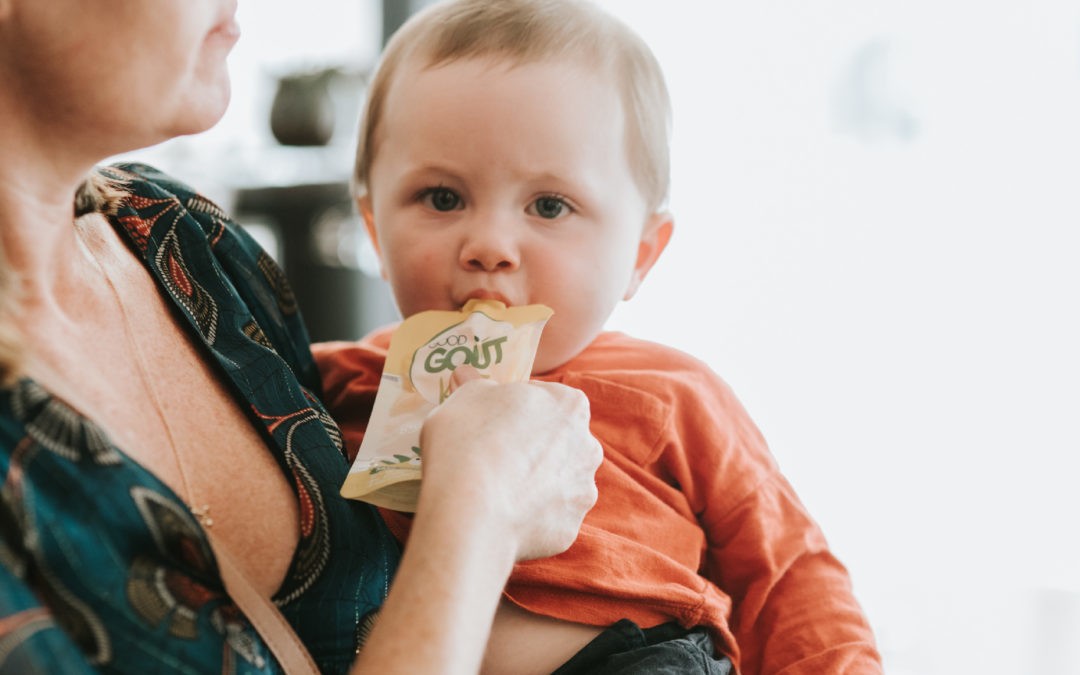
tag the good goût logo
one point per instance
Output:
(478, 341)
(480, 354)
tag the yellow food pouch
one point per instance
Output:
(498, 341)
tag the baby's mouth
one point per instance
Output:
(483, 294)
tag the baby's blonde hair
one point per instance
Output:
(524, 31)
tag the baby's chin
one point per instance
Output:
(543, 366)
(555, 354)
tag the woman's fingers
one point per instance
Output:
(525, 450)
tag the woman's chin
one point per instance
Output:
(199, 101)
(202, 115)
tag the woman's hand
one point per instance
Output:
(508, 474)
(517, 458)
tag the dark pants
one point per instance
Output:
(625, 649)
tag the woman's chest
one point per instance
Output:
(159, 397)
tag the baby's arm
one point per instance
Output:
(794, 610)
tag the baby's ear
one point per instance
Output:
(363, 205)
(654, 239)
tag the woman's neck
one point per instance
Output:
(37, 236)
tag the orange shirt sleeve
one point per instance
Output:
(794, 611)
(350, 373)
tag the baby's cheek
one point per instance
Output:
(421, 264)
(428, 259)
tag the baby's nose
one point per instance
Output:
(490, 248)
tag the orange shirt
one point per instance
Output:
(694, 521)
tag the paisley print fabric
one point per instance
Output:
(102, 568)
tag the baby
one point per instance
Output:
(518, 151)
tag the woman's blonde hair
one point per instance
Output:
(10, 340)
(524, 31)
(98, 193)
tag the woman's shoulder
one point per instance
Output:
(209, 263)
(140, 177)
(154, 198)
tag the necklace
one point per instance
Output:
(200, 511)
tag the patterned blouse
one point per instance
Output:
(102, 567)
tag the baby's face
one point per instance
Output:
(512, 183)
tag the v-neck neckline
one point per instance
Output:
(232, 388)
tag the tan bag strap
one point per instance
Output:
(264, 616)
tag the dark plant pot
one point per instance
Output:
(303, 110)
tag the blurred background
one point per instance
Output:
(877, 242)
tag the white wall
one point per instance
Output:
(878, 232)
(877, 245)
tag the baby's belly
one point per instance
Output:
(525, 644)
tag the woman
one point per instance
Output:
(157, 388)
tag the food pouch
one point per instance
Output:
(498, 341)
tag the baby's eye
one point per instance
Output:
(441, 199)
(549, 207)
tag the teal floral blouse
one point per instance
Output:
(102, 568)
